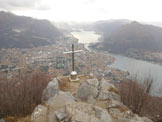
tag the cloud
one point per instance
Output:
(22, 4)
(85, 10)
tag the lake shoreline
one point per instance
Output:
(124, 62)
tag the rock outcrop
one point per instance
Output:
(2, 120)
(94, 101)
(51, 90)
(64, 108)
(101, 90)
(89, 89)
(39, 114)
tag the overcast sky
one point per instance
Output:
(86, 10)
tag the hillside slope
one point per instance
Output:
(108, 26)
(134, 35)
(25, 32)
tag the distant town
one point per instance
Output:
(52, 60)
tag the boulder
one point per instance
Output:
(136, 118)
(146, 119)
(51, 90)
(101, 90)
(2, 120)
(115, 103)
(56, 103)
(119, 112)
(83, 112)
(67, 95)
(64, 108)
(93, 82)
(47, 113)
(39, 114)
(91, 100)
(61, 114)
(88, 89)
(108, 91)
(133, 118)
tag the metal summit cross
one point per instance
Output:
(73, 74)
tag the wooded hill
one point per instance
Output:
(133, 35)
(26, 32)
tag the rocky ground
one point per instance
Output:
(89, 100)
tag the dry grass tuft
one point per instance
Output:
(63, 83)
(17, 119)
(113, 89)
(122, 109)
(11, 119)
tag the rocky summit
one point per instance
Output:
(89, 100)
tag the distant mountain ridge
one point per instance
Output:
(133, 35)
(108, 26)
(26, 32)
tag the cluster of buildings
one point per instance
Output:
(52, 60)
(150, 56)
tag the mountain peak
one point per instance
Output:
(91, 100)
(135, 23)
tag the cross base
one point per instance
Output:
(73, 77)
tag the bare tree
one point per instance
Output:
(136, 94)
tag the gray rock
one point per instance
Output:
(87, 89)
(97, 89)
(91, 100)
(106, 85)
(136, 118)
(119, 111)
(64, 108)
(61, 114)
(105, 92)
(56, 103)
(146, 119)
(115, 103)
(51, 90)
(93, 82)
(2, 120)
(83, 112)
(67, 95)
(39, 114)
(102, 114)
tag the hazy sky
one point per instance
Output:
(86, 10)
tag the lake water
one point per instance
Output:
(86, 37)
(133, 66)
(141, 68)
